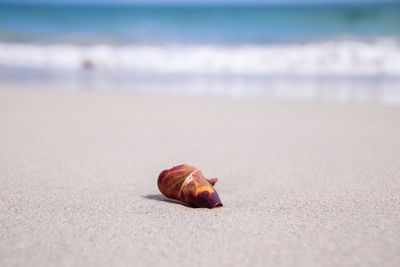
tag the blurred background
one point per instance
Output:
(324, 50)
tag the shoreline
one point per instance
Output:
(312, 91)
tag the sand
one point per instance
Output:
(303, 184)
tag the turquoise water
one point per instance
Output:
(191, 24)
(337, 52)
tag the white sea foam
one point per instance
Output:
(359, 58)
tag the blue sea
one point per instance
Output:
(195, 24)
(201, 46)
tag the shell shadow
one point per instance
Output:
(159, 197)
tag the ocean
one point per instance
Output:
(121, 45)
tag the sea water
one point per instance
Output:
(115, 45)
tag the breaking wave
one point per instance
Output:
(338, 57)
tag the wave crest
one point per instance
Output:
(361, 58)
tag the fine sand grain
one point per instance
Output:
(302, 184)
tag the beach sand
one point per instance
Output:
(303, 184)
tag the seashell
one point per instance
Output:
(188, 185)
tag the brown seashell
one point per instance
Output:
(188, 185)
